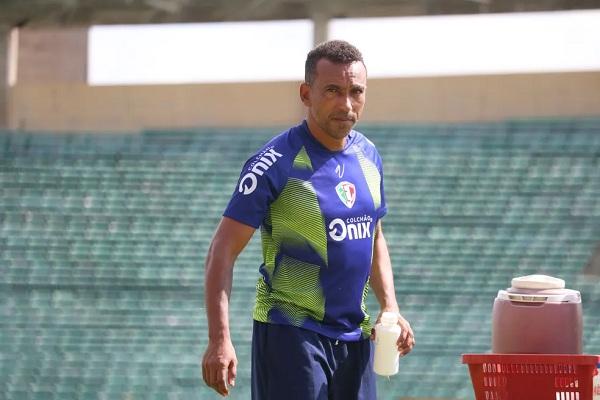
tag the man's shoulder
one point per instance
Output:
(277, 153)
(287, 141)
(364, 144)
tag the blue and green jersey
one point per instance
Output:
(317, 210)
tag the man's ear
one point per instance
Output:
(305, 94)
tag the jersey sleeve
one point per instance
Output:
(260, 182)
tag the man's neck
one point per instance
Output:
(331, 144)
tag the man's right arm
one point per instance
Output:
(219, 362)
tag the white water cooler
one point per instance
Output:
(537, 315)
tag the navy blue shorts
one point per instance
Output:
(293, 363)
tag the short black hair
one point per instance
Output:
(336, 51)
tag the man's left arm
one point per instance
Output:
(382, 282)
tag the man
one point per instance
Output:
(316, 192)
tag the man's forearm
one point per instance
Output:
(217, 290)
(230, 239)
(382, 278)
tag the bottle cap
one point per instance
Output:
(389, 318)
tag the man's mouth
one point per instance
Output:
(344, 118)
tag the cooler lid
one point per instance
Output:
(540, 282)
(542, 296)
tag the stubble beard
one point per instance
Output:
(337, 129)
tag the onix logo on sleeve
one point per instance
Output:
(266, 159)
(346, 192)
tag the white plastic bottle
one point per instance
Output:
(386, 350)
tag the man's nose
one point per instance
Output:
(345, 102)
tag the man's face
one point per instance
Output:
(336, 97)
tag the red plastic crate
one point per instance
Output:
(532, 376)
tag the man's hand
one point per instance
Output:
(406, 341)
(219, 366)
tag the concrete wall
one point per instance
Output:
(485, 97)
(76, 107)
(52, 56)
(4, 60)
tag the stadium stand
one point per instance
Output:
(103, 237)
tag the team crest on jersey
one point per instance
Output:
(347, 193)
